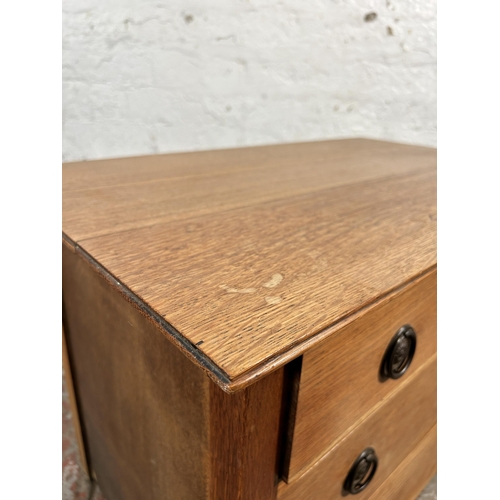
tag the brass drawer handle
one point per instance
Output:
(399, 353)
(361, 473)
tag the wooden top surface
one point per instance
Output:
(247, 256)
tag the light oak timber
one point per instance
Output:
(93, 174)
(155, 425)
(394, 428)
(110, 208)
(416, 470)
(258, 251)
(226, 313)
(251, 283)
(340, 377)
(245, 440)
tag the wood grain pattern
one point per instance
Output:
(340, 377)
(144, 406)
(156, 426)
(249, 254)
(252, 282)
(414, 472)
(393, 429)
(244, 440)
(122, 171)
(147, 197)
(240, 260)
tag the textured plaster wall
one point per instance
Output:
(147, 76)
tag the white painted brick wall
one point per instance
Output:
(143, 76)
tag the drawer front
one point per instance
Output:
(416, 470)
(393, 430)
(340, 379)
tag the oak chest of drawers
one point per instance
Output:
(255, 323)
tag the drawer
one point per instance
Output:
(340, 378)
(393, 430)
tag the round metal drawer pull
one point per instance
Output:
(399, 353)
(361, 472)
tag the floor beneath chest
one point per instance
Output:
(75, 486)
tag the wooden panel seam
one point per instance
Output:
(213, 371)
(261, 166)
(374, 146)
(335, 252)
(280, 196)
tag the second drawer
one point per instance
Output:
(341, 377)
